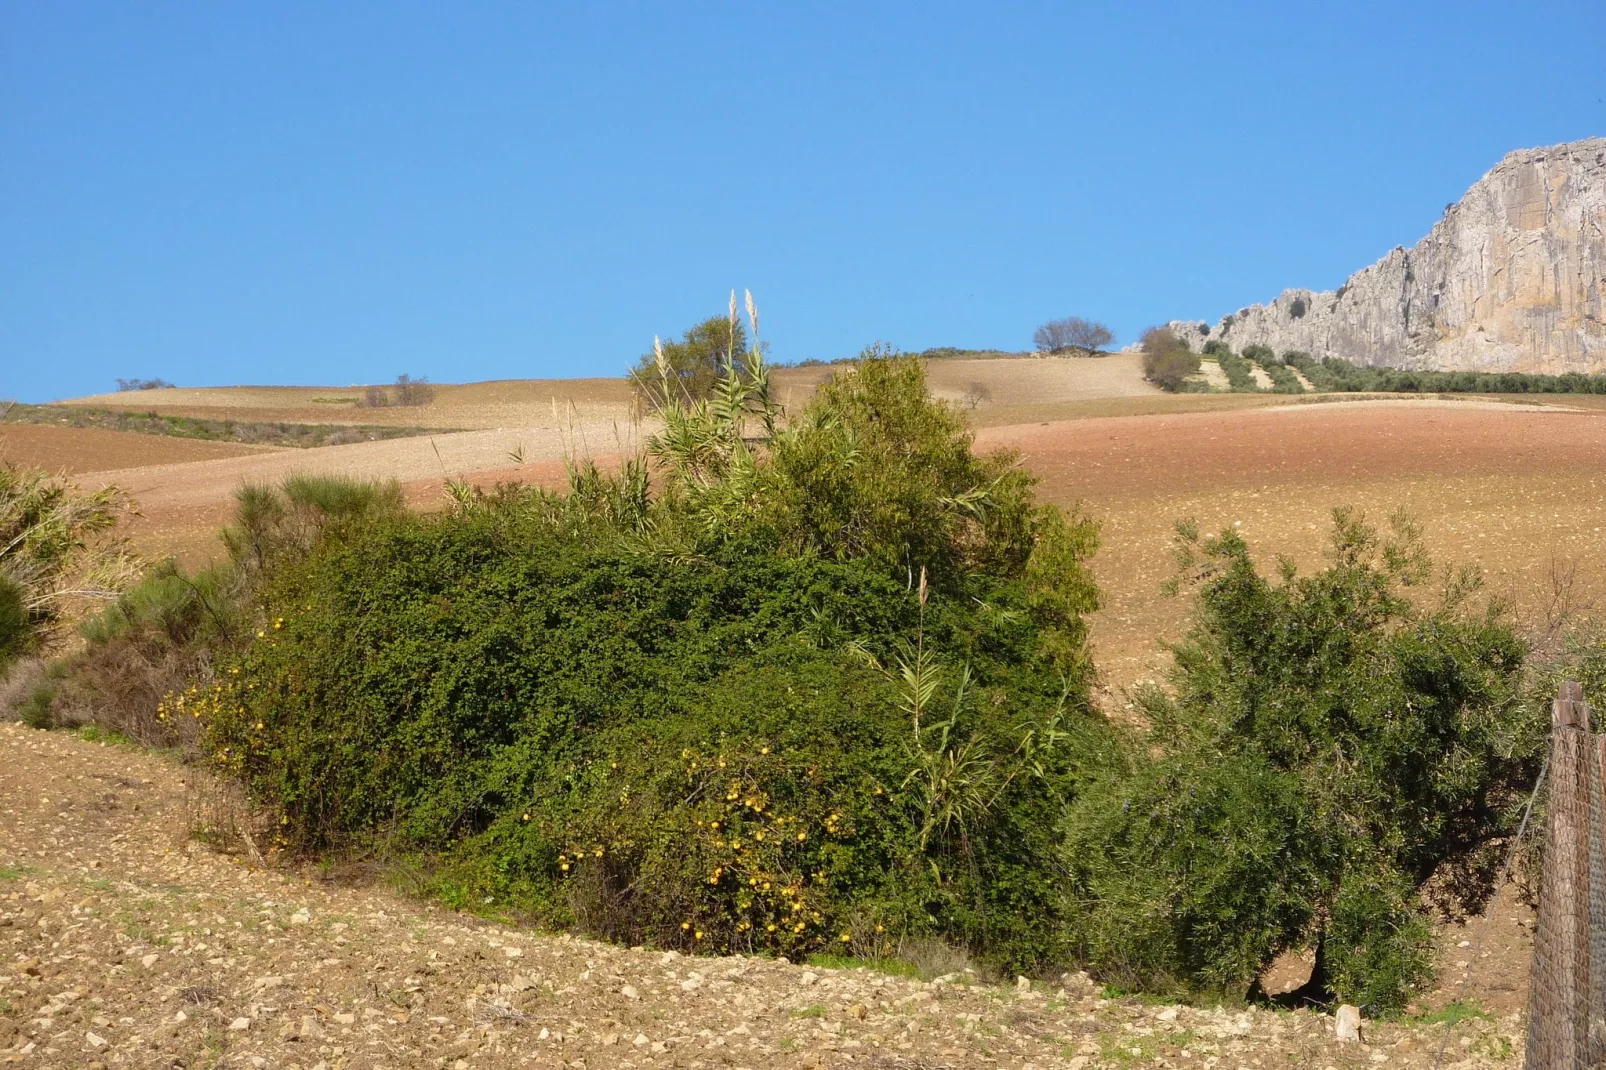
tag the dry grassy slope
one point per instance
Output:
(998, 384)
(125, 944)
(506, 403)
(1005, 383)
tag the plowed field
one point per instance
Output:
(91, 449)
(1515, 489)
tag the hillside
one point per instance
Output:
(994, 386)
(1513, 278)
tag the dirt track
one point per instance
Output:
(125, 944)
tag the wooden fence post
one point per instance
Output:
(1559, 1017)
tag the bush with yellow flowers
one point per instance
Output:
(711, 709)
(693, 753)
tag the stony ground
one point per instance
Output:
(125, 943)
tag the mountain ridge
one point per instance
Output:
(1511, 278)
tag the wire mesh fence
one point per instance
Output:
(1567, 997)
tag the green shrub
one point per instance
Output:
(276, 525)
(1239, 378)
(141, 653)
(731, 714)
(1334, 374)
(1167, 362)
(1283, 379)
(16, 629)
(515, 703)
(694, 365)
(38, 709)
(1330, 750)
(152, 649)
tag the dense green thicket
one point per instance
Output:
(1333, 374)
(826, 686)
(1330, 754)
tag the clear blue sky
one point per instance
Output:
(336, 193)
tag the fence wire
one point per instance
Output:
(1567, 996)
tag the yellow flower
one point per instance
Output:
(801, 836)
(770, 927)
(847, 938)
(763, 750)
(698, 935)
(685, 925)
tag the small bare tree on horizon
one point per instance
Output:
(407, 391)
(1073, 334)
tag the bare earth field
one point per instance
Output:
(90, 449)
(1515, 489)
(124, 943)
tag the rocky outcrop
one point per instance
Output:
(1513, 278)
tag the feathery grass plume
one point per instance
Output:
(56, 546)
(752, 313)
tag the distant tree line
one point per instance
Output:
(126, 385)
(1334, 374)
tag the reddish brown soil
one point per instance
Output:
(1516, 490)
(1185, 453)
(92, 449)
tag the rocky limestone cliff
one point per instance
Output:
(1513, 278)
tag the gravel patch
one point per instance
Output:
(125, 944)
